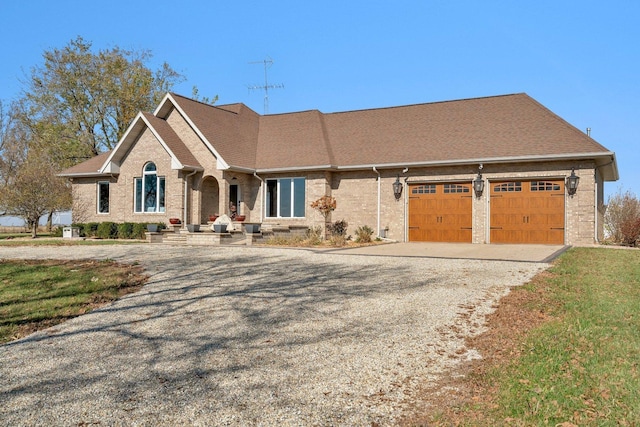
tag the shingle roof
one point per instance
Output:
(231, 129)
(499, 128)
(88, 167)
(173, 141)
(482, 128)
(298, 139)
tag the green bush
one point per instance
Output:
(125, 230)
(363, 234)
(56, 231)
(107, 230)
(139, 228)
(81, 229)
(91, 229)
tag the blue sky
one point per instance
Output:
(581, 59)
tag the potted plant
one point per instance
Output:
(239, 218)
(212, 218)
(152, 228)
(174, 221)
(220, 228)
(193, 228)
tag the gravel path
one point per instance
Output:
(252, 336)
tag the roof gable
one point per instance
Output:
(181, 157)
(230, 132)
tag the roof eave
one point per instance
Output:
(297, 169)
(84, 175)
(609, 157)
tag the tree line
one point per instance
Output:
(75, 105)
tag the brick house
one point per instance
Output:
(190, 160)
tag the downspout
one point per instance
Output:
(186, 198)
(596, 237)
(406, 203)
(261, 194)
(378, 227)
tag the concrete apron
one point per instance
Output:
(502, 252)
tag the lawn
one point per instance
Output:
(563, 350)
(45, 240)
(38, 294)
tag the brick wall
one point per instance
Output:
(356, 192)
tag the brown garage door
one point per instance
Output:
(440, 212)
(527, 212)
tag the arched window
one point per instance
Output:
(149, 190)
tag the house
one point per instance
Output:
(484, 170)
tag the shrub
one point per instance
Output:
(107, 230)
(314, 235)
(325, 205)
(622, 217)
(125, 230)
(56, 232)
(139, 228)
(337, 240)
(81, 229)
(338, 228)
(630, 230)
(363, 234)
(91, 229)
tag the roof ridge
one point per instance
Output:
(204, 104)
(430, 103)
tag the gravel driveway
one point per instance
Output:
(252, 336)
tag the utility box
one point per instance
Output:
(70, 232)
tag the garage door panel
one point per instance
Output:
(440, 212)
(527, 212)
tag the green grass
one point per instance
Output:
(38, 294)
(582, 367)
(60, 242)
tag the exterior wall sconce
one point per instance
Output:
(572, 182)
(397, 188)
(478, 185)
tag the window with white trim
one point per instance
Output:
(149, 191)
(103, 197)
(285, 198)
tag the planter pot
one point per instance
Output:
(152, 228)
(174, 221)
(213, 217)
(240, 218)
(252, 228)
(193, 228)
(220, 228)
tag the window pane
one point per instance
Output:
(272, 198)
(285, 197)
(298, 197)
(138, 195)
(150, 193)
(150, 167)
(103, 197)
(161, 194)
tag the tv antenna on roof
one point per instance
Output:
(267, 62)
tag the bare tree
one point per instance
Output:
(35, 190)
(622, 218)
(80, 102)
